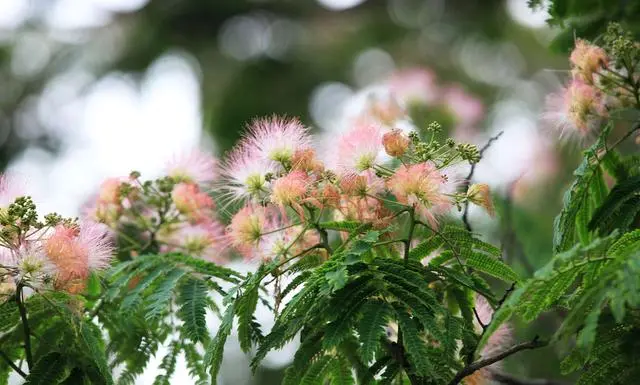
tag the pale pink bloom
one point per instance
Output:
(247, 225)
(205, 240)
(190, 201)
(368, 183)
(290, 188)
(76, 250)
(109, 191)
(277, 138)
(244, 174)
(107, 213)
(358, 149)
(279, 240)
(415, 85)
(587, 59)
(32, 262)
(97, 242)
(423, 186)
(11, 188)
(306, 160)
(467, 109)
(576, 109)
(194, 167)
(364, 209)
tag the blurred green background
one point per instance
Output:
(243, 59)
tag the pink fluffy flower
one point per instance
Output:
(467, 109)
(205, 240)
(190, 201)
(76, 250)
(576, 109)
(415, 85)
(244, 174)
(110, 190)
(289, 189)
(362, 185)
(395, 143)
(359, 149)
(247, 225)
(423, 186)
(193, 167)
(277, 139)
(587, 59)
(31, 261)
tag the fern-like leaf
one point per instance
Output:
(375, 316)
(192, 298)
(213, 356)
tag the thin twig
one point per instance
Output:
(482, 324)
(467, 180)
(13, 366)
(25, 326)
(472, 368)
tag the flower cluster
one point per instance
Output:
(173, 213)
(56, 253)
(287, 186)
(602, 79)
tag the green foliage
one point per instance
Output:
(192, 295)
(579, 202)
(587, 19)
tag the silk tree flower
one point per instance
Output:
(107, 207)
(277, 139)
(306, 160)
(32, 263)
(247, 225)
(480, 194)
(358, 149)
(364, 209)
(587, 59)
(192, 167)
(280, 244)
(415, 85)
(362, 185)
(75, 251)
(244, 174)
(191, 202)
(395, 143)
(498, 341)
(324, 195)
(423, 186)
(205, 240)
(289, 189)
(575, 110)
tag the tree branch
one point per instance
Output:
(470, 369)
(467, 180)
(25, 326)
(12, 364)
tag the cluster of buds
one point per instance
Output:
(412, 147)
(604, 78)
(171, 213)
(54, 254)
